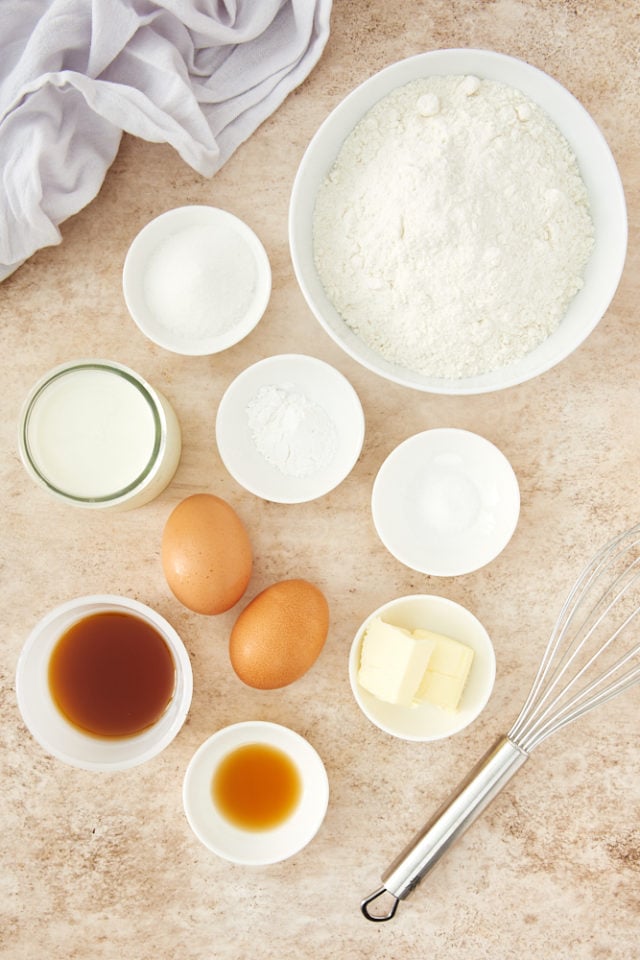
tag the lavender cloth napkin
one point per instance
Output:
(200, 75)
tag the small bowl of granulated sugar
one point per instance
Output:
(196, 280)
(458, 224)
(290, 428)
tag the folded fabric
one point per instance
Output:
(200, 75)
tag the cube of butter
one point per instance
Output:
(447, 672)
(393, 662)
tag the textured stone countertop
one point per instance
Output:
(105, 866)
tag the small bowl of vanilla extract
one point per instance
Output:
(255, 793)
(104, 682)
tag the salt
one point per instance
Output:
(291, 431)
(200, 282)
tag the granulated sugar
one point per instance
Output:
(200, 282)
(454, 227)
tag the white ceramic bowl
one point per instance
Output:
(445, 502)
(290, 428)
(196, 280)
(428, 722)
(598, 170)
(54, 732)
(255, 847)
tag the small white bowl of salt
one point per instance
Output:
(196, 280)
(290, 428)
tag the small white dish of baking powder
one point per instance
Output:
(445, 502)
(290, 428)
(196, 280)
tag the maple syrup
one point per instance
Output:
(112, 674)
(256, 787)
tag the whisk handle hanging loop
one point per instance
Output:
(467, 802)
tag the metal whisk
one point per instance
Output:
(583, 665)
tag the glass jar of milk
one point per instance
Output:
(95, 434)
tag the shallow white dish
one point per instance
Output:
(428, 722)
(329, 396)
(54, 732)
(445, 502)
(598, 169)
(149, 263)
(255, 847)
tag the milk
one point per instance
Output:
(95, 434)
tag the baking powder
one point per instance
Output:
(454, 227)
(291, 431)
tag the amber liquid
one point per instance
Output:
(112, 674)
(256, 787)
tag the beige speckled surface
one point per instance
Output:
(106, 866)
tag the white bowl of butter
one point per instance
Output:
(422, 667)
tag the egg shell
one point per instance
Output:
(206, 554)
(279, 635)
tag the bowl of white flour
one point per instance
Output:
(458, 223)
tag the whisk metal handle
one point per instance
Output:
(467, 802)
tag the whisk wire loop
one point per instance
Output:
(558, 722)
(601, 593)
(561, 702)
(564, 617)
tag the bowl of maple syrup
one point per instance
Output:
(104, 682)
(255, 793)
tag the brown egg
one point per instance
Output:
(206, 554)
(279, 635)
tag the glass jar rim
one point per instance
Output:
(147, 394)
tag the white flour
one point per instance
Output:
(292, 432)
(454, 227)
